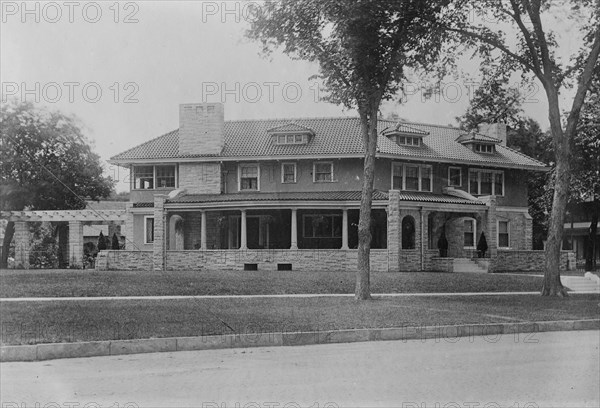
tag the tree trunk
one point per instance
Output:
(9, 232)
(369, 128)
(552, 285)
(590, 257)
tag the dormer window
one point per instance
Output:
(290, 134)
(408, 141)
(484, 148)
(405, 135)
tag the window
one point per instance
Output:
(503, 234)
(323, 172)
(469, 233)
(454, 176)
(412, 177)
(148, 230)
(408, 232)
(249, 175)
(486, 182)
(290, 139)
(151, 177)
(288, 173)
(322, 226)
(484, 148)
(165, 176)
(407, 140)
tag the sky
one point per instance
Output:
(124, 67)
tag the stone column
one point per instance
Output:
(393, 212)
(345, 228)
(158, 247)
(21, 239)
(75, 244)
(294, 228)
(203, 244)
(128, 228)
(528, 232)
(243, 241)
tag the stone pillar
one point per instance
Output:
(393, 212)
(345, 228)
(128, 228)
(528, 232)
(294, 228)
(158, 247)
(243, 237)
(75, 244)
(21, 239)
(203, 244)
(492, 233)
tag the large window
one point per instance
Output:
(407, 140)
(249, 176)
(454, 176)
(484, 148)
(469, 233)
(322, 172)
(503, 234)
(148, 230)
(408, 232)
(411, 177)
(322, 226)
(151, 177)
(486, 182)
(288, 173)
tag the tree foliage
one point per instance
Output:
(46, 163)
(363, 49)
(536, 52)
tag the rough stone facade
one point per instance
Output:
(201, 129)
(512, 260)
(159, 246)
(124, 260)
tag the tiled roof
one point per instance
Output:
(143, 205)
(290, 127)
(404, 128)
(247, 139)
(436, 198)
(476, 137)
(291, 196)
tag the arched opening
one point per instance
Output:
(408, 232)
(176, 241)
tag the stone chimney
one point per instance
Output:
(201, 128)
(495, 130)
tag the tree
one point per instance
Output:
(46, 163)
(536, 53)
(363, 49)
(101, 242)
(115, 242)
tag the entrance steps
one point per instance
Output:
(470, 266)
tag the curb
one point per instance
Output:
(51, 351)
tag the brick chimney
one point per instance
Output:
(201, 127)
(496, 130)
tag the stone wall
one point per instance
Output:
(509, 260)
(268, 259)
(124, 260)
(200, 178)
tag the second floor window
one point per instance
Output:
(151, 177)
(288, 173)
(323, 172)
(249, 174)
(486, 182)
(411, 177)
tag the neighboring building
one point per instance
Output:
(577, 232)
(285, 193)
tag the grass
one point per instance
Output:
(78, 283)
(87, 320)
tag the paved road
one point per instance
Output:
(528, 370)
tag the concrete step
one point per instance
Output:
(580, 284)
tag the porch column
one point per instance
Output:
(345, 228)
(243, 242)
(203, 245)
(129, 244)
(158, 247)
(294, 237)
(21, 239)
(75, 243)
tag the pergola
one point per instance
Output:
(76, 219)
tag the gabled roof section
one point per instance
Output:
(333, 137)
(290, 128)
(404, 129)
(474, 137)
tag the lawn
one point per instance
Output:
(85, 320)
(84, 283)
